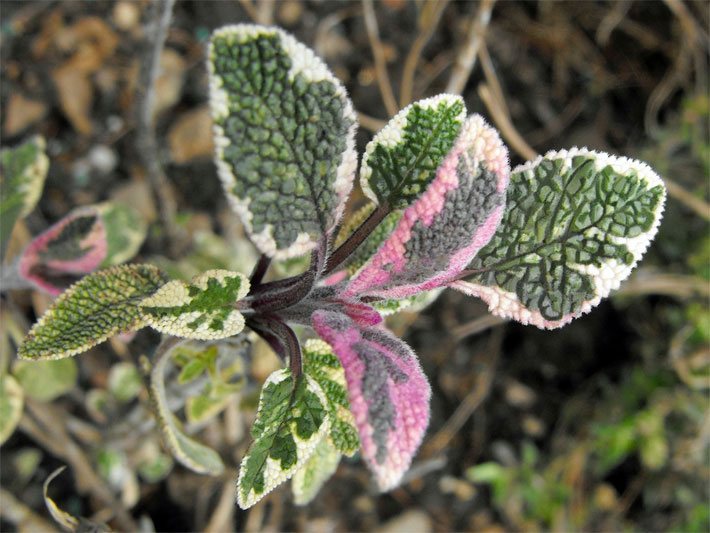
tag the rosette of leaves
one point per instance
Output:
(541, 245)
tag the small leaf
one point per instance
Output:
(308, 480)
(125, 232)
(388, 393)
(100, 305)
(441, 232)
(192, 370)
(202, 309)
(64, 519)
(46, 380)
(290, 422)
(187, 451)
(74, 246)
(402, 159)
(12, 400)
(23, 170)
(284, 135)
(576, 224)
(124, 381)
(321, 364)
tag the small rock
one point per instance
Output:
(414, 521)
(126, 15)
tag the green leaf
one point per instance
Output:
(290, 422)
(201, 309)
(12, 400)
(401, 160)
(412, 304)
(23, 170)
(100, 305)
(46, 380)
(576, 224)
(321, 364)
(187, 451)
(308, 480)
(284, 135)
(125, 232)
(124, 381)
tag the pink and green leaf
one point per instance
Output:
(442, 231)
(388, 393)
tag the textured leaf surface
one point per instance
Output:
(284, 135)
(441, 232)
(46, 380)
(187, 451)
(576, 224)
(321, 364)
(201, 309)
(388, 393)
(23, 170)
(401, 160)
(74, 246)
(312, 476)
(12, 400)
(90, 311)
(290, 422)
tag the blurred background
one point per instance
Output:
(601, 425)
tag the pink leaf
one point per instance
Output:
(442, 231)
(74, 246)
(389, 394)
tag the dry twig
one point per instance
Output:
(383, 79)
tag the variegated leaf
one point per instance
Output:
(290, 422)
(23, 170)
(309, 479)
(88, 238)
(95, 308)
(389, 395)
(412, 304)
(12, 400)
(187, 451)
(441, 232)
(402, 159)
(201, 309)
(321, 364)
(576, 224)
(46, 380)
(284, 135)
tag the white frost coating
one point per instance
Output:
(312, 68)
(608, 275)
(391, 135)
(273, 474)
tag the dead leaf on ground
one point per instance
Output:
(168, 86)
(22, 112)
(76, 96)
(138, 195)
(190, 137)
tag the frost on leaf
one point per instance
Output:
(12, 400)
(576, 224)
(290, 422)
(202, 309)
(321, 364)
(401, 160)
(309, 479)
(284, 134)
(95, 308)
(388, 393)
(86, 239)
(187, 451)
(23, 170)
(441, 232)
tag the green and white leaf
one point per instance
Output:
(290, 422)
(23, 170)
(284, 135)
(576, 224)
(46, 380)
(401, 160)
(323, 366)
(125, 232)
(413, 304)
(124, 381)
(187, 451)
(95, 308)
(318, 469)
(12, 400)
(202, 309)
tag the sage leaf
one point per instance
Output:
(95, 308)
(309, 479)
(576, 224)
(12, 401)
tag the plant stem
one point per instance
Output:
(259, 271)
(357, 238)
(281, 338)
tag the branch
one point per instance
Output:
(383, 79)
(146, 144)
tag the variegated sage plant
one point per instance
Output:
(541, 244)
